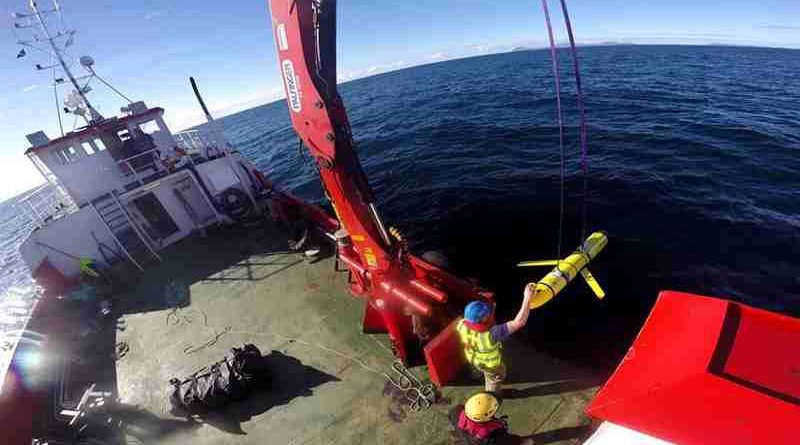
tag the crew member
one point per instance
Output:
(475, 423)
(175, 159)
(181, 157)
(482, 338)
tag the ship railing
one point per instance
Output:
(142, 167)
(200, 145)
(147, 166)
(45, 203)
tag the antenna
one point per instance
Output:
(57, 41)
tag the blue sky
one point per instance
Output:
(148, 48)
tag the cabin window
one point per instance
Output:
(61, 157)
(66, 155)
(123, 135)
(149, 127)
(99, 144)
(87, 148)
(72, 153)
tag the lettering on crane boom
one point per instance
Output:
(283, 43)
(292, 88)
(369, 256)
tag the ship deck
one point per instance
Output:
(241, 285)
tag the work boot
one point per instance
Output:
(492, 385)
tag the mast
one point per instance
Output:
(94, 115)
(37, 18)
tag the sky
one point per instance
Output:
(149, 48)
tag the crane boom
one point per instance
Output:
(411, 299)
(305, 34)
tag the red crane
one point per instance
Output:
(411, 299)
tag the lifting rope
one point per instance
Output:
(557, 77)
(581, 111)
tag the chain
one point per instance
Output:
(419, 396)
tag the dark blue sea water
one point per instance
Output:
(694, 171)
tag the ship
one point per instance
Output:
(158, 252)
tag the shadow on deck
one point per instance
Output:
(543, 374)
(289, 379)
(562, 434)
(227, 255)
(526, 365)
(146, 427)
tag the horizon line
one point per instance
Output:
(513, 48)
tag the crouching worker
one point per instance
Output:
(482, 339)
(475, 423)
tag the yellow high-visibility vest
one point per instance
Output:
(481, 350)
(87, 267)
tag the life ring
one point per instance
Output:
(236, 203)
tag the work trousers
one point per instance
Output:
(493, 378)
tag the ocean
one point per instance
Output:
(15, 280)
(694, 172)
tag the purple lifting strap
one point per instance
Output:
(581, 110)
(557, 77)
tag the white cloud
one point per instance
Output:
(182, 119)
(437, 56)
(152, 15)
(179, 119)
(480, 49)
(372, 70)
(30, 88)
(782, 27)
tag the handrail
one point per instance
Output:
(131, 170)
(34, 192)
(114, 237)
(45, 202)
(135, 226)
(128, 159)
(199, 141)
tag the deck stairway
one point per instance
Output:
(117, 220)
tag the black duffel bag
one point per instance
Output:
(248, 363)
(229, 380)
